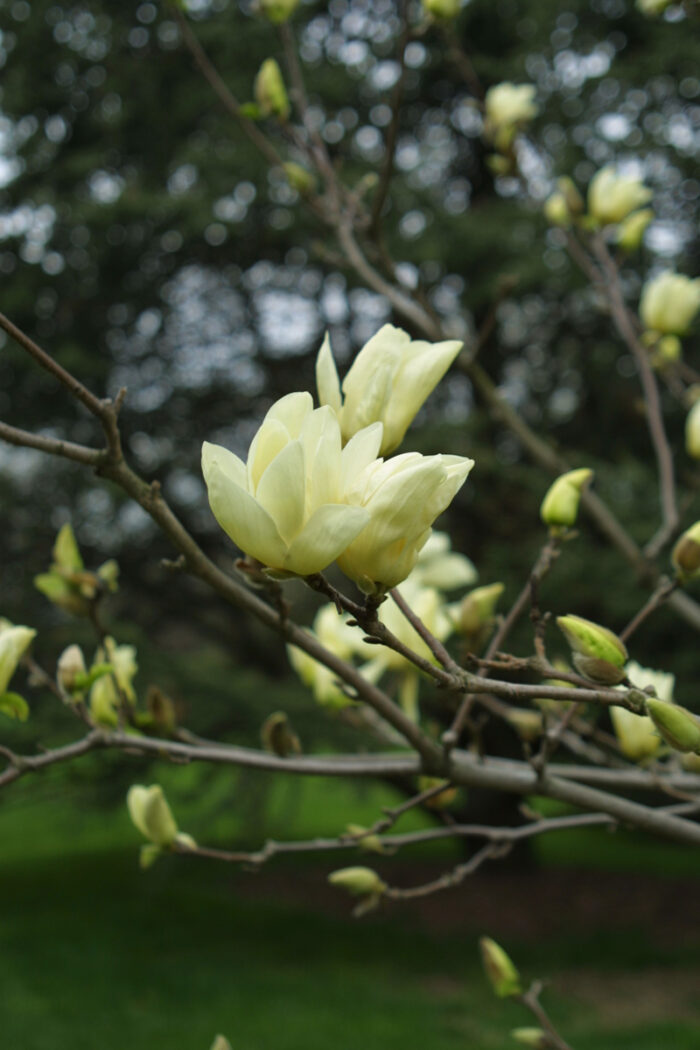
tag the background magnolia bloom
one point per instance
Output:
(637, 734)
(611, 197)
(284, 506)
(14, 642)
(335, 634)
(388, 382)
(669, 303)
(403, 496)
(508, 104)
(439, 566)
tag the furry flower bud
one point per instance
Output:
(360, 882)
(686, 553)
(678, 727)
(270, 92)
(597, 652)
(502, 974)
(560, 506)
(151, 814)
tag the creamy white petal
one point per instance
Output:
(268, 442)
(291, 411)
(359, 452)
(327, 382)
(243, 519)
(327, 533)
(366, 403)
(282, 490)
(320, 439)
(422, 370)
(233, 467)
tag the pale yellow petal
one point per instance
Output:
(243, 519)
(327, 382)
(327, 533)
(282, 490)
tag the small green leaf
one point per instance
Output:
(14, 706)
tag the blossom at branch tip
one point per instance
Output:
(403, 496)
(508, 108)
(285, 506)
(636, 734)
(669, 302)
(560, 505)
(14, 642)
(612, 197)
(387, 382)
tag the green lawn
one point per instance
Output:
(97, 954)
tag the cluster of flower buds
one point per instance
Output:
(303, 501)
(67, 583)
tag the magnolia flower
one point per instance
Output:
(611, 197)
(508, 105)
(669, 303)
(403, 496)
(14, 642)
(631, 230)
(636, 734)
(387, 382)
(429, 606)
(284, 507)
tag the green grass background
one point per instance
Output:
(95, 953)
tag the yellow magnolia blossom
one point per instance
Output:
(440, 567)
(636, 734)
(403, 496)
(14, 642)
(509, 105)
(611, 197)
(285, 506)
(335, 634)
(669, 303)
(387, 382)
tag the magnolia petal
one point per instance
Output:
(268, 442)
(359, 452)
(243, 519)
(327, 382)
(320, 438)
(424, 368)
(326, 535)
(282, 490)
(291, 411)
(233, 467)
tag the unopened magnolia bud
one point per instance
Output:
(360, 882)
(678, 727)
(270, 92)
(151, 814)
(442, 9)
(299, 178)
(631, 230)
(221, 1043)
(369, 843)
(692, 431)
(477, 607)
(278, 737)
(597, 652)
(560, 506)
(14, 642)
(534, 1037)
(443, 798)
(71, 670)
(277, 10)
(502, 974)
(686, 553)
